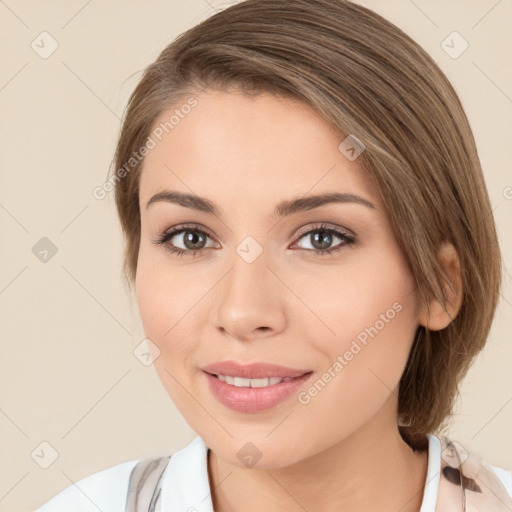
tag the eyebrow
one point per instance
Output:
(285, 208)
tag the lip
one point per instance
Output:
(246, 399)
(252, 370)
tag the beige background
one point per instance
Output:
(68, 376)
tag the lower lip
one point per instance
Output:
(243, 399)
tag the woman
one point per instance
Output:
(315, 263)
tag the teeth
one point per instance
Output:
(251, 383)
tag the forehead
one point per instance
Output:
(235, 146)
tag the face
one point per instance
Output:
(323, 289)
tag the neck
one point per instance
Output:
(372, 469)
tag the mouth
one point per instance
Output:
(247, 395)
(242, 382)
(252, 371)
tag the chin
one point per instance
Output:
(249, 451)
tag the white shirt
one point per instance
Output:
(186, 486)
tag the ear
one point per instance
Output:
(433, 315)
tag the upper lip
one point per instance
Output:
(252, 370)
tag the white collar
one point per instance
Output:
(185, 480)
(433, 474)
(186, 485)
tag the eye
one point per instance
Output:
(322, 236)
(191, 238)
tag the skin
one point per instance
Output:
(342, 450)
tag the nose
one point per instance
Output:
(250, 301)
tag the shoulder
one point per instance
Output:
(113, 488)
(105, 490)
(505, 476)
(492, 484)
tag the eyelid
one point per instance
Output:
(305, 230)
(324, 225)
(189, 225)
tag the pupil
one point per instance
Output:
(324, 239)
(191, 238)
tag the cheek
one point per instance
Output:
(163, 302)
(377, 307)
(369, 313)
(163, 306)
(362, 292)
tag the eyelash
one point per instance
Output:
(168, 235)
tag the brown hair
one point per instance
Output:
(367, 78)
